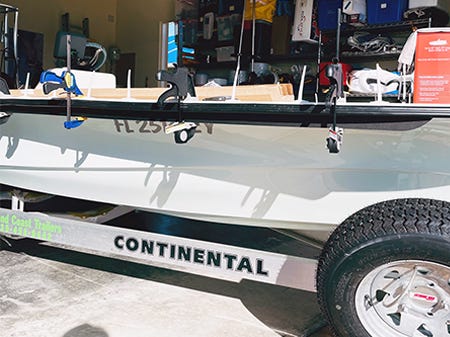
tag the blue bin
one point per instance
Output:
(385, 11)
(328, 13)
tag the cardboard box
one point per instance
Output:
(305, 22)
(432, 68)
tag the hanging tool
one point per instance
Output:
(50, 82)
(335, 133)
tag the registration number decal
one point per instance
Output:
(152, 127)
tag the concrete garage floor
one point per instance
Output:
(47, 291)
(51, 292)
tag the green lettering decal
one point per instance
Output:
(20, 225)
(4, 219)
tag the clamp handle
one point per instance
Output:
(51, 81)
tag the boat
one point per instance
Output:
(249, 162)
(258, 156)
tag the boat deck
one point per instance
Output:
(262, 104)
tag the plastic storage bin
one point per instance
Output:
(385, 11)
(443, 4)
(328, 13)
(225, 54)
(224, 28)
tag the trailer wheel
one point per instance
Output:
(183, 136)
(385, 272)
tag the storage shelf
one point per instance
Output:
(369, 54)
(292, 57)
(271, 59)
(403, 26)
(389, 26)
(395, 26)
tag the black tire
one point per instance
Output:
(365, 248)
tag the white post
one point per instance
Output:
(17, 204)
(91, 79)
(379, 95)
(302, 84)
(27, 83)
(129, 84)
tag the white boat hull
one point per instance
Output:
(281, 177)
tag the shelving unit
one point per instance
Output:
(346, 54)
(346, 30)
(399, 31)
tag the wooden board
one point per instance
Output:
(262, 93)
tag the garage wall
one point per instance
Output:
(44, 16)
(138, 31)
(131, 25)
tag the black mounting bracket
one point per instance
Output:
(335, 75)
(181, 82)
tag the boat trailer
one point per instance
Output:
(216, 260)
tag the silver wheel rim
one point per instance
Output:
(183, 135)
(405, 298)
